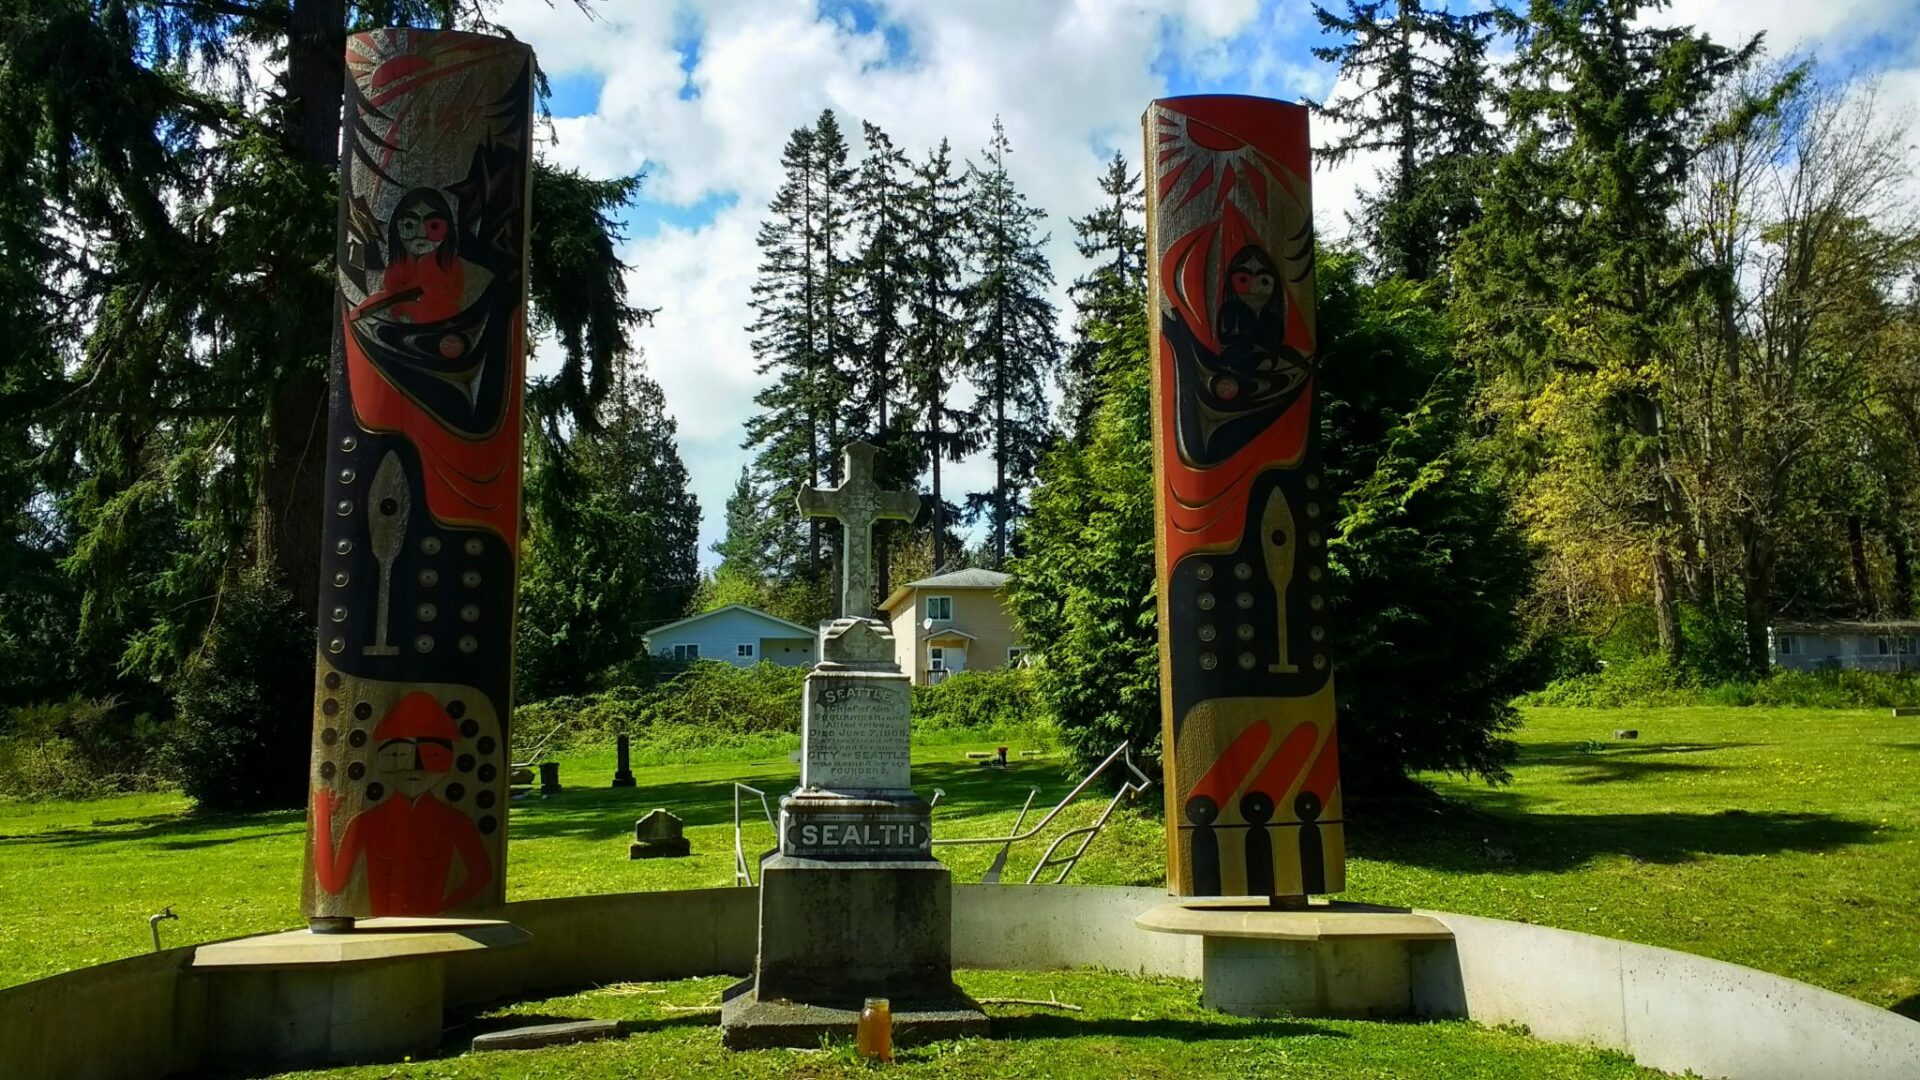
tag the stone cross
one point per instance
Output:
(857, 504)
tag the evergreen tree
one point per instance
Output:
(1425, 96)
(611, 546)
(792, 430)
(936, 335)
(1014, 346)
(743, 547)
(1115, 238)
(1579, 226)
(881, 206)
(1428, 567)
(183, 248)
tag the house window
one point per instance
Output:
(1788, 645)
(686, 652)
(1015, 654)
(936, 658)
(940, 607)
(1886, 646)
(745, 650)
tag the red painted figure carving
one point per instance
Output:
(409, 840)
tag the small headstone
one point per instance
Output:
(658, 836)
(623, 767)
(549, 778)
(1627, 733)
(538, 1035)
(1905, 710)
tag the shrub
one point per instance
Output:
(1650, 681)
(82, 748)
(1643, 680)
(707, 696)
(243, 711)
(984, 702)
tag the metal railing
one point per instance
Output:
(1122, 753)
(742, 872)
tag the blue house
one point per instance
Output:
(740, 635)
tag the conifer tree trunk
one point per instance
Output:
(292, 483)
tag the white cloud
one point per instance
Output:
(1069, 78)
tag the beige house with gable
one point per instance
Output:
(952, 622)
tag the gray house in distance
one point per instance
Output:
(1826, 646)
(740, 635)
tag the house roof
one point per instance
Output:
(958, 579)
(1846, 626)
(678, 623)
(937, 635)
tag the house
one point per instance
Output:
(952, 622)
(1866, 646)
(736, 633)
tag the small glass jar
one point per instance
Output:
(874, 1036)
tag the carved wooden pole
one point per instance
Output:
(1252, 769)
(415, 674)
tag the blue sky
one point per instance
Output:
(701, 96)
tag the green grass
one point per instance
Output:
(1787, 840)
(1131, 1026)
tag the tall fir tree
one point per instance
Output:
(1425, 94)
(936, 335)
(1579, 224)
(612, 541)
(1114, 238)
(1014, 346)
(800, 338)
(183, 248)
(880, 207)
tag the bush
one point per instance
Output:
(83, 748)
(712, 710)
(1643, 680)
(1650, 681)
(1003, 701)
(243, 712)
(708, 696)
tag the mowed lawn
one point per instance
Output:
(1788, 840)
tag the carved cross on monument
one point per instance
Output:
(857, 503)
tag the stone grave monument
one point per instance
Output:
(854, 905)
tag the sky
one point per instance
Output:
(701, 96)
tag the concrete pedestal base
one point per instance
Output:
(1323, 960)
(834, 933)
(751, 1022)
(375, 993)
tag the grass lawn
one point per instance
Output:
(1788, 840)
(1131, 1026)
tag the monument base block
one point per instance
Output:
(1336, 960)
(750, 1022)
(299, 998)
(834, 933)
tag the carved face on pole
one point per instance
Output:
(422, 225)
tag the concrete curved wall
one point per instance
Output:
(146, 1016)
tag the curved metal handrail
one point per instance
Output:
(1139, 783)
(741, 871)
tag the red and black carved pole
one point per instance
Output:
(415, 675)
(1252, 766)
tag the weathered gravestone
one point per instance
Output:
(854, 905)
(659, 835)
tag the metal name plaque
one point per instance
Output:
(856, 836)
